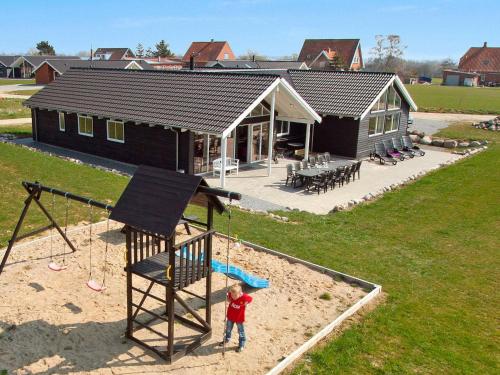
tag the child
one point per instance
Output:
(236, 314)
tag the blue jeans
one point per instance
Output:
(241, 332)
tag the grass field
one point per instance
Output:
(23, 92)
(4, 81)
(456, 99)
(13, 108)
(23, 130)
(440, 276)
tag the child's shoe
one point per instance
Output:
(240, 349)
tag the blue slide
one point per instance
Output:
(236, 273)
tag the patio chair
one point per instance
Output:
(348, 171)
(337, 177)
(380, 153)
(320, 183)
(327, 157)
(356, 169)
(297, 166)
(291, 175)
(391, 151)
(408, 145)
(305, 164)
(312, 161)
(321, 160)
(397, 144)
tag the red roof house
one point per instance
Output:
(332, 54)
(483, 60)
(203, 52)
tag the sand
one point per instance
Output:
(50, 322)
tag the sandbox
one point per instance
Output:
(51, 322)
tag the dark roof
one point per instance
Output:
(62, 65)
(115, 53)
(345, 48)
(480, 59)
(208, 102)
(155, 199)
(206, 51)
(338, 92)
(257, 64)
(36, 60)
(7, 60)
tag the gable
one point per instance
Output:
(344, 48)
(208, 51)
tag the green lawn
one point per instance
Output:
(440, 276)
(23, 92)
(5, 81)
(23, 130)
(467, 132)
(13, 108)
(456, 99)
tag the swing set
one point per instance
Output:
(35, 190)
(151, 207)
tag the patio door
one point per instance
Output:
(258, 140)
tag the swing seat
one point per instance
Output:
(92, 284)
(53, 266)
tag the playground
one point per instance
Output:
(54, 323)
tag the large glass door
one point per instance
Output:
(258, 141)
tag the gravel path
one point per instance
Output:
(431, 123)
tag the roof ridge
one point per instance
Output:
(186, 72)
(341, 71)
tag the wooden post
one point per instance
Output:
(130, 326)
(223, 162)
(271, 134)
(308, 137)
(208, 291)
(12, 240)
(170, 295)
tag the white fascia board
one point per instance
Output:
(46, 62)
(257, 101)
(133, 63)
(405, 93)
(317, 57)
(300, 99)
(14, 63)
(353, 56)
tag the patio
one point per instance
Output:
(258, 188)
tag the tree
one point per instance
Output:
(44, 48)
(387, 55)
(139, 50)
(377, 52)
(162, 49)
(337, 63)
(253, 55)
(149, 52)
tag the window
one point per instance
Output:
(392, 124)
(260, 110)
(226, 56)
(393, 99)
(62, 122)
(380, 104)
(376, 125)
(356, 59)
(282, 128)
(85, 126)
(116, 132)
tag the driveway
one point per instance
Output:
(431, 123)
(7, 88)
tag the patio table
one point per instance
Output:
(309, 174)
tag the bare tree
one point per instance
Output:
(252, 55)
(393, 52)
(378, 52)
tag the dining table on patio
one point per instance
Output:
(310, 173)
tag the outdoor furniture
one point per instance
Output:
(308, 175)
(396, 142)
(392, 151)
(380, 153)
(304, 164)
(297, 166)
(408, 145)
(291, 175)
(321, 160)
(337, 177)
(356, 169)
(312, 161)
(320, 183)
(327, 157)
(347, 173)
(231, 165)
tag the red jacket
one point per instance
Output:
(236, 308)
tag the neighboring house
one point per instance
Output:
(257, 64)
(458, 78)
(483, 60)
(179, 120)
(332, 54)
(24, 66)
(49, 70)
(203, 52)
(5, 63)
(113, 54)
(164, 63)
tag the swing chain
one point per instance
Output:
(52, 224)
(227, 277)
(106, 249)
(90, 239)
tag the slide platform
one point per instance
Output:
(235, 273)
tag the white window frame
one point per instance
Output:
(63, 123)
(378, 117)
(107, 131)
(356, 59)
(287, 129)
(394, 116)
(86, 134)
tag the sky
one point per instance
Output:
(430, 29)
